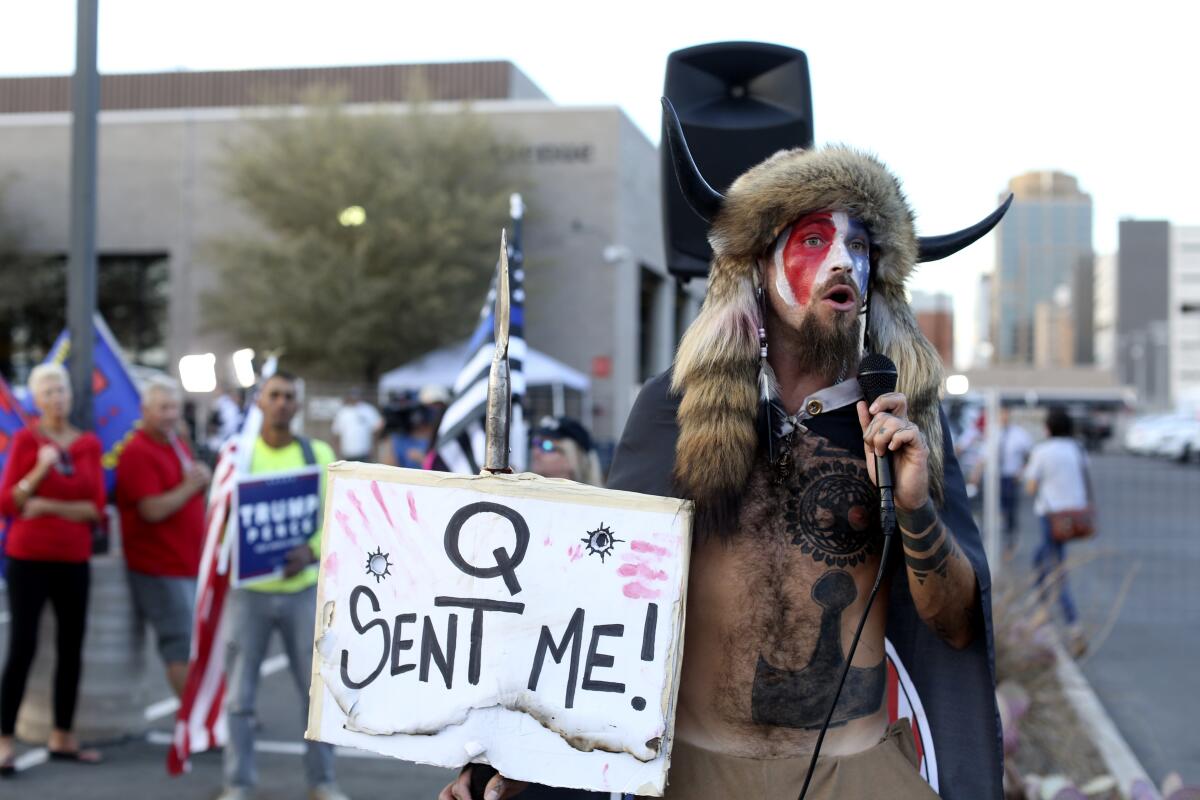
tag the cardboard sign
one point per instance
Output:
(273, 513)
(529, 623)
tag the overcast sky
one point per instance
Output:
(957, 97)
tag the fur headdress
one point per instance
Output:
(716, 368)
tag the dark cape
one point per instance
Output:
(956, 687)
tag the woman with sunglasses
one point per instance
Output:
(53, 492)
(562, 448)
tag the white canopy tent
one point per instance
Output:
(441, 368)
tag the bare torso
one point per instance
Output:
(771, 615)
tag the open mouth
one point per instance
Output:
(840, 297)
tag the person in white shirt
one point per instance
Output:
(357, 424)
(1056, 477)
(1015, 445)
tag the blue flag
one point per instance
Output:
(116, 403)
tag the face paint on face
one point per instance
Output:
(813, 248)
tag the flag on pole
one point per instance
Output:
(461, 435)
(116, 402)
(200, 721)
(12, 419)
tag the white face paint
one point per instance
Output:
(814, 248)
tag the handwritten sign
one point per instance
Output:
(529, 623)
(273, 514)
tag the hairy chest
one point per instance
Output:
(793, 583)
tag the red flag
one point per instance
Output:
(200, 722)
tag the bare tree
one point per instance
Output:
(378, 235)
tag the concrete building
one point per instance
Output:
(982, 354)
(1039, 246)
(1143, 309)
(1184, 321)
(600, 300)
(1054, 329)
(935, 317)
(1104, 315)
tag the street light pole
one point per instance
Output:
(81, 268)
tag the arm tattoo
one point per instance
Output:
(928, 546)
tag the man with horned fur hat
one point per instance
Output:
(761, 423)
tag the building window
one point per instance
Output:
(131, 296)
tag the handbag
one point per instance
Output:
(1075, 523)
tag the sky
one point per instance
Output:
(956, 97)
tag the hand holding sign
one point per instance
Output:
(527, 623)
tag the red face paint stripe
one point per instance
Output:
(801, 262)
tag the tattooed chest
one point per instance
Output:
(817, 545)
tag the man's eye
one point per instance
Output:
(814, 241)
(858, 246)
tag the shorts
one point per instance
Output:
(889, 769)
(166, 602)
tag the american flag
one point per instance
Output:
(461, 436)
(200, 722)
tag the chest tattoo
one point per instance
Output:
(830, 508)
(800, 698)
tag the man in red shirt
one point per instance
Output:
(160, 495)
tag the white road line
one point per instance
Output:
(167, 707)
(279, 748)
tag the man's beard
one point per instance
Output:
(826, 347)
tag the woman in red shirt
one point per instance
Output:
(53, 490)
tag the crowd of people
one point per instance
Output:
(53, 489)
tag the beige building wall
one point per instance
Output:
(1184, 322)
(593, 228)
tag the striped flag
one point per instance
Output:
(200, 722)
(461, 436)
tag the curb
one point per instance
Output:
(1119, 760)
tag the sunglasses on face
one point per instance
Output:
(546, 446)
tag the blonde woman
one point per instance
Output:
(562, 448)
(53, 490)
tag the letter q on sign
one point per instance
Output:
(506, 564)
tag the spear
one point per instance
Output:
(499, 394)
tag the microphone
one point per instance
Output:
(877, 376)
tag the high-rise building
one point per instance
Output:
(1184, 318)
(935, 318)
(982, 355)
(1143, 300)
(1104, 316)
(1054, 331)
(1040, 246)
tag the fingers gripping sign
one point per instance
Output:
(887, 429)
(498, 788)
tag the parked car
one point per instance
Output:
(1146, 434)
(1177, 440)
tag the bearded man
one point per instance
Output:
(761, 423)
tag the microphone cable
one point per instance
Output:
(883, 561)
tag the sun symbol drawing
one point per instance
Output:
(600, 542)
(377, 564)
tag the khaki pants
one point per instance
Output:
(889, 769)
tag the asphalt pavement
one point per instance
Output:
(1144, 671)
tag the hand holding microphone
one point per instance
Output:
(897, 455)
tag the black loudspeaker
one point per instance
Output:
(738, 102)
